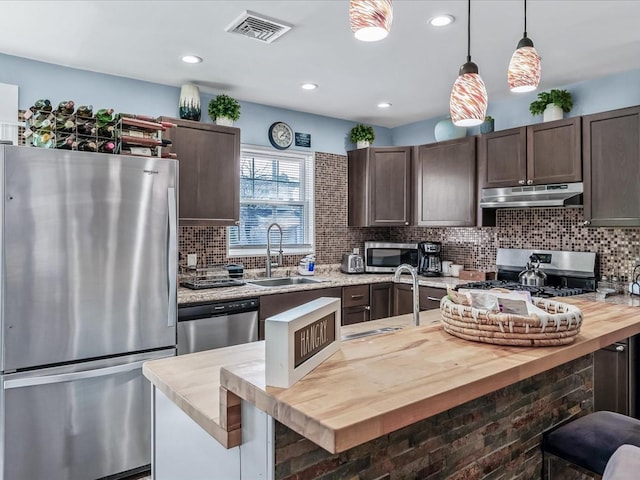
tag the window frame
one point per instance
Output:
(308, 163)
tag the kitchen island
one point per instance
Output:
(413, 403)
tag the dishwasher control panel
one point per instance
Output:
(212, 309)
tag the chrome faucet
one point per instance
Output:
(415, 288)
(268, 263)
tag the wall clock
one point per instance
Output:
(280, 135)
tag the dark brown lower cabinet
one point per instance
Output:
(403, 298)
(271, 305)
(358, 314)
(381, 300)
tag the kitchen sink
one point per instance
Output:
(284, 281)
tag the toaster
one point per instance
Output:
(352, 263)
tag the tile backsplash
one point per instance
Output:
(618, 249)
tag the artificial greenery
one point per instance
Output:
(561, 98)
(362, 133)
(488, 118)
(224, 106)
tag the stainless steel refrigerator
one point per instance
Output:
(87, 292)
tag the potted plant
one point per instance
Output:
(552, 104)
(362, 135)
(224, 110)
(488, 124)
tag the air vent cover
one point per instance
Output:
(259, 27)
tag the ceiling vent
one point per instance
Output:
(258, 27)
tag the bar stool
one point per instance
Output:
(591, 440)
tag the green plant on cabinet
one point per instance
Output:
(561, 98)
(362, 133)
(224, 106)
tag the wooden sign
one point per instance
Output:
(300, 339)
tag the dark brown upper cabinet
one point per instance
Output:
(446, 183)
(209, 162)
(539, 154)
(379, 188)
(611, 148)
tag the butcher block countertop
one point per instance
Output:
(377, 384)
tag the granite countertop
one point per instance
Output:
(331, 277)
(401, 377)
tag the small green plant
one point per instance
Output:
(362, 133)
(561, 98)
(224, 106)
(488, 118)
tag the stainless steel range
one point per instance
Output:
(568, 273)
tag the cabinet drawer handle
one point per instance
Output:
(357, 296)
(521, 182)
(433, 299)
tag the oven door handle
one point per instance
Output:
(70, 377)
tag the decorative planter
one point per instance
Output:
(487, 126)
(362, 144)
(552, 112)
(224, 121)
(190, 102)
(446, 130)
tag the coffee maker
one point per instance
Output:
(429, 263)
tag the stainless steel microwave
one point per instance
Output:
(386, 256)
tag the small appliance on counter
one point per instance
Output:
(307, 265)
(385, 257)
(352, 262)
(429, 263)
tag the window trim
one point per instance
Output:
(308, 160)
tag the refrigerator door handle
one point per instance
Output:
(171, 257)
(69, 377)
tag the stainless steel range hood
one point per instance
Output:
(557, 195)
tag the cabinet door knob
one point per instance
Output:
(620, 348)
(521, 182)
(586, 222)
(406, 223)
(529, 182)
(367, 307)
(237, 222)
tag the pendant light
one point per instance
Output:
(468, 104)
(524, 69)
(370, 19)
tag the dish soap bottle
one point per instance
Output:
(307, 265)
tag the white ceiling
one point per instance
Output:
(413, 68)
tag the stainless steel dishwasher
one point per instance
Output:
(217, 324)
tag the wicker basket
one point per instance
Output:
(559, 327)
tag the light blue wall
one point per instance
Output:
(592, 96)
(44, 80)
(57, 83)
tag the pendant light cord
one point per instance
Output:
(525, 18)
(469, 31)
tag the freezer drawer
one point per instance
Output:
(84, 421)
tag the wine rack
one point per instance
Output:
(71, 130)
(141, 135)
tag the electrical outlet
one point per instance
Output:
(192, 260)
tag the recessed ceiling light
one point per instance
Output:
(191, 59)
(441, 20)
(309, 86)
(384, 105)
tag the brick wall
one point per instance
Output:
(497, 436)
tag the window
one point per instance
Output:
(274, 187)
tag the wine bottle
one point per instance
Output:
(107, 131)
(108, 146)
(65, 123)
(85, 111)
(104, 116)
(87, 146)
(42, 105)
(86, 127)
(66, 108)
(65, 143)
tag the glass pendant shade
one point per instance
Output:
(370, 19)
(524, 70)
(468, 104)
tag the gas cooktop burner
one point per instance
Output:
(544, 292)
